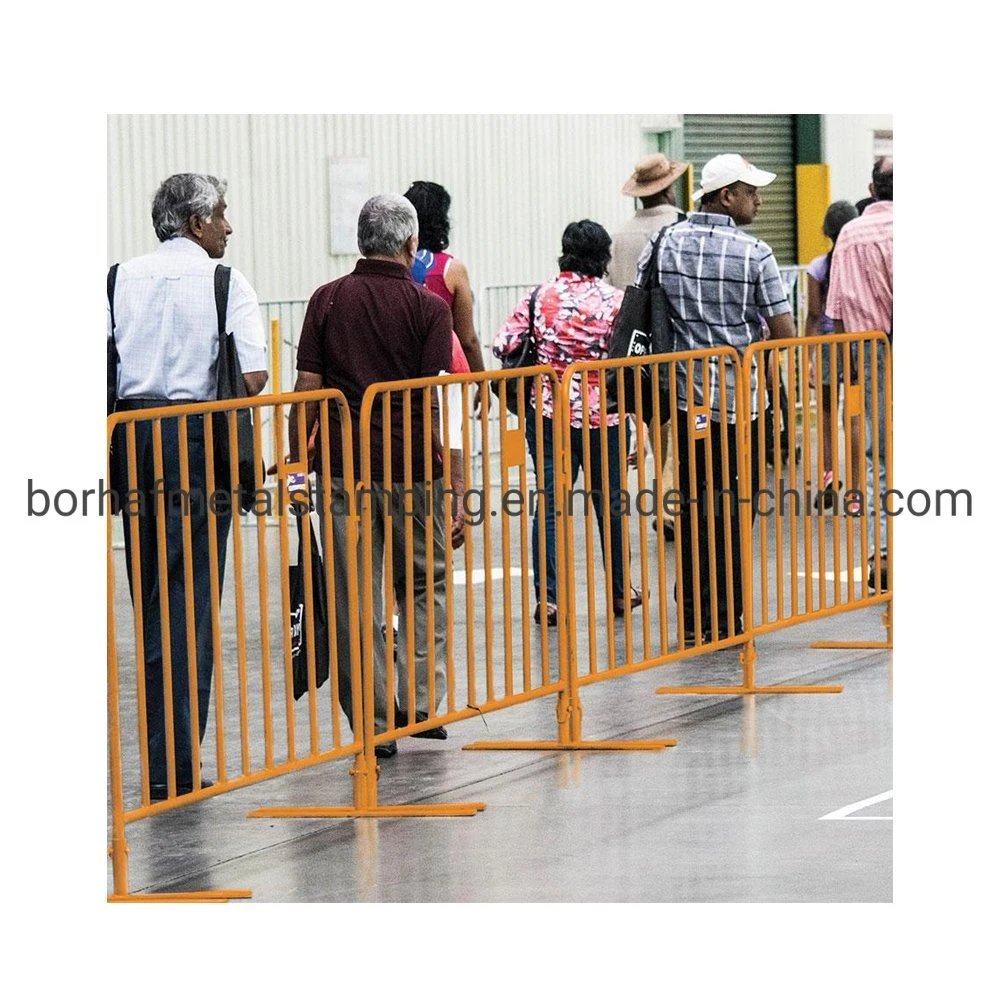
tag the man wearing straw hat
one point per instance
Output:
(652, 182)
(718, 281)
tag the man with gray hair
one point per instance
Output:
(377, 325)
(162, 319)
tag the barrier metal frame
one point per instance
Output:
(853, 408)
(120, 816)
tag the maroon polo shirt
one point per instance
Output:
(376, 325)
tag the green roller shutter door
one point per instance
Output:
(767, 141)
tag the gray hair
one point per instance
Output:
(181, 196)
(386, 222)
(837, 216)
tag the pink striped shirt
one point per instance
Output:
(860, 294)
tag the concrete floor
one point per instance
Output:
(734, 813)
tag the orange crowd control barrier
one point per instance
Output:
(814, 560)
(806, 556)
(175, 544)
(402, 540)
(687, 590)
(450, 571)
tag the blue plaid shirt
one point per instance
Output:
(720, 283)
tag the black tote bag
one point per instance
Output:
(524, 357)
(642, 327)
(230, 385)
(318, 638)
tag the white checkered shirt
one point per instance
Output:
(166, 328)
(720, 283)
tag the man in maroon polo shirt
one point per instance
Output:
(377, 325)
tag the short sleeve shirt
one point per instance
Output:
(719, 283)
(166, 327)
(377, 325)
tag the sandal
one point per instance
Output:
(826, 499)
(635, 599)
(551, 614)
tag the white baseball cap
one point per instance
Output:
(728, 168)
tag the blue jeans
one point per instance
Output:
(576, 445)
(148, 575)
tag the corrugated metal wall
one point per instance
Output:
(767, 141)
(515, 181)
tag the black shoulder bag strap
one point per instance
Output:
(651, 276)
(112, 278)
(112, 345)
(222, 274)
(531, 315)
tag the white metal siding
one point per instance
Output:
(849, 148)
(515, 181)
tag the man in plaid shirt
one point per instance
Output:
(719, 283)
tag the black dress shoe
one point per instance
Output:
(883, 574)
(724, 632)
(158, 793)
(384, 750)
(435, 733)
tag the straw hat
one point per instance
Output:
(653, 173)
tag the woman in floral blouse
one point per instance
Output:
(574, 313)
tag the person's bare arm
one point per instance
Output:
(813, 315)
(457, 485)
(781, 326)
(255, 382)
(456, 279)
(304, 382)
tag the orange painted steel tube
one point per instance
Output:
(678, 534)
(192, 651)
(238, 594)
(165, 637)
(265, 627)
(309, 597)
(213, 580)
(810, 400)
(508, 635)
(640, 451)
(430, 575)
(470, 644)
(137, 603)
(286, 603)
(525, 555)
(119, 845)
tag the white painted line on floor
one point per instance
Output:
(845, 812)
(479, 575)
(844, 574)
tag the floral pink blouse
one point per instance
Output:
(573, 318)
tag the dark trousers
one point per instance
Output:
(598, 493)
(695, 511)
(144, 512)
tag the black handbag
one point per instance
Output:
(642, 327)
(524, 357)
(318, 638)
(229, 380)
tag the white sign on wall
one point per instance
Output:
(350, 188)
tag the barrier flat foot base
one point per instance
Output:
(831, 644)
(207, 896)
(375, 812)
(574, 745)
(770, 689)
